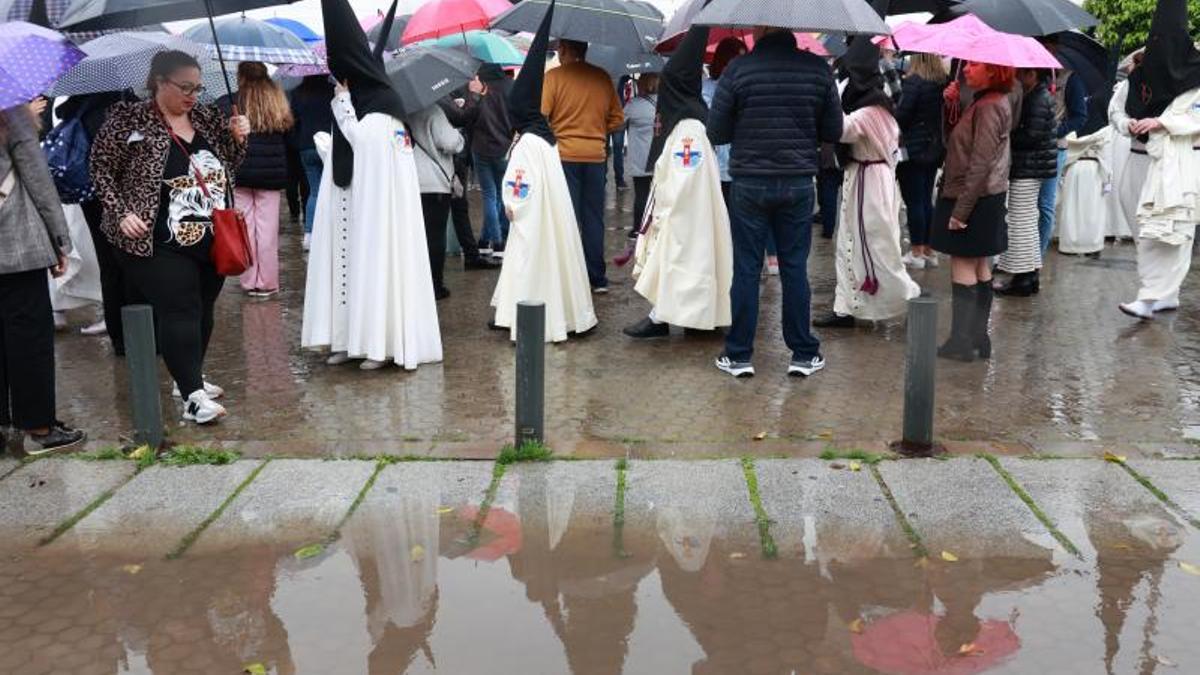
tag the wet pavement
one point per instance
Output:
(345, 567)
(1069, 373)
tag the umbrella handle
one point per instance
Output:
(217, 42)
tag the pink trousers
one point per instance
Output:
(261, 209)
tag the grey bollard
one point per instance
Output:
(531, 371)
(920, 363)
(142, 356)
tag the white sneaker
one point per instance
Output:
(915, 262)
(306, 243)
(772, 266)
(368, 364)
(60, 321)
(804, 368)
(1139, 309)
(213, 391)
(931, 260)
(201, 409)
(1165, 306)
(98, 328)
(337, 359)
(734, 368)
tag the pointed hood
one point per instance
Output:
(351, 59)
(385, 31)
(1171, 65)
(860, 64)
(525, 96)
(680, 90)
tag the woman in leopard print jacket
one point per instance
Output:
(160, 167)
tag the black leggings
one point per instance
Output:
(641, 195)
(435, 207)
(26, 351)
(182, 288)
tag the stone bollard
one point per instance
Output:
(141, 354)
(919, 368)
(531, 372)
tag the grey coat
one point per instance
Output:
(33, 230)
(435, 142)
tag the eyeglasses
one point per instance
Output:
(187, 88)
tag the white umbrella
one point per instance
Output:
(118, 62)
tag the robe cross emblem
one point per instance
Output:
(687, 158)
(520, 189)
(403, 140)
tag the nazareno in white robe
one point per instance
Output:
(684, 256)
(392, 312)
(1129, 165)
(1082, 218)
(80, 285)
(326, 287)
(543, 258)
(868, 238)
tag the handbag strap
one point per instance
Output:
(195, 169)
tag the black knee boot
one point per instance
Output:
(961, 345)
(983, 313)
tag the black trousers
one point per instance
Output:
(182, 287)
(114, 290)
(460, 213)
(26, 351)
(641, 195)
(435, 207)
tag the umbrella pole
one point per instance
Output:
(217, 42)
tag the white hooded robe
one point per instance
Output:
(325, 324)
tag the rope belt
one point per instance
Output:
(870, 285)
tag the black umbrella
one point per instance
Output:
(392, 41)
(853, 17)
(422, 75)
(628, 25)
(619, 63)
(48, 13)
(914, 6)
(1095, 66)
(1030, 17)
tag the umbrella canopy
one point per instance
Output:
(31, 59)
(805, 41)
(392, 41)
(1029, 17)
(852, 17)
(308, 35)
(1092, 63)
(104, 14)
(484, 46)
(630, 26)
(971, 39)
(913, 6)
(422, 75)
(119, 62)
(444, 17)
(299, 70)
(906, 643)
(245, 39)
(619, 63)
(48, 13)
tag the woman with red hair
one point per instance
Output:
(970, 218)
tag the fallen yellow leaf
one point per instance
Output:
(1164, 661)
(1114, 458)
(969, 649)
(310, 551)
(140, 452)
(131, 569)
(825, 434)
(417, 554)
(1189, 568)
(255, 669)
(445, 509)
(949, 557)
(856, 626)
(760, 435)
(856, 466)
(737, 555)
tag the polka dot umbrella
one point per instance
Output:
(31, 59)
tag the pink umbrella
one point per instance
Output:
(447, 17)
(970, 39)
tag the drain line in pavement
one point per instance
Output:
(619, 511)
(1037, 510)
(191, 537)
(765, 540)
(914, 539)
(1162, 496)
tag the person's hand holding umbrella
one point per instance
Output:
(239, 126)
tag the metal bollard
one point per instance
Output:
(531, 372)
(141, 354)
(920, 364)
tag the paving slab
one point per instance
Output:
(40, 495)
(562, 496)
(1180, 479)
(292, 502)
(821, 513)
(7, 464)
(689, 505)
(154, 511)
(962, 506)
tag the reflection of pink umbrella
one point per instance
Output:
(447, 17)
(804, 41)
(505, 528)
(971, 39)
(905, 644)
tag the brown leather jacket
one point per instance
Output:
(977, 153)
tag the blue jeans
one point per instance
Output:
(310, 159)
(916, 186)
(1046, 204)
(783, 206)
(829, 192)
(616, 145)
(490, 171)
(586, 181)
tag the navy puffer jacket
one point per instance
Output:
(776, 105)
(1034, 148)
(266, 163)
(920, 118)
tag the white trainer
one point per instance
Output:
(1138, 309)
(98, 328)
(337, 359)
(201, 409)
(1165, 306)
(213, 391)
(915, 262)
(368, 364)
(931, 260)
(306, 243)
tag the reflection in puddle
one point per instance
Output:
(418, 584)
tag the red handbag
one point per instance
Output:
(231, 252)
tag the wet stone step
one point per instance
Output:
(819, 513)
(1180, 479)
(41, 495)
(963, 507)
(7, 464)
(293, 502)
(152, 513)
(561, 497)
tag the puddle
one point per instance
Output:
(421, 584)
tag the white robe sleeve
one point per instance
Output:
(853, 127)
(1117, 116)
(1183, 118)
(345, 116)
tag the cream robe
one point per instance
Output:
(543, 258)
(327, 284)
(874, 136)
(1082, 218)
(684, 259)
(1130, 164)
(80, 285)
(391, 311)
(1170, 202)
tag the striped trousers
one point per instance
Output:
(1024, 252)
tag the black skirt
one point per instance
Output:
(986, 233)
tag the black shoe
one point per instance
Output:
(60, 437)
(961, 345)
(834, 320)
(481, 263)
(492, 326)
(1020, 286)
(441, 293)
(646, 329)
(698, 332)
(981, 317)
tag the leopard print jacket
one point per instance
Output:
(129, 155)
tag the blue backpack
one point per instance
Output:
(67, 149)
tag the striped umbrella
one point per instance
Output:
(245, 39)
(119, 62)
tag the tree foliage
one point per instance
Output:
(1124, 24)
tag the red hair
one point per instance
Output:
(1000, 78)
